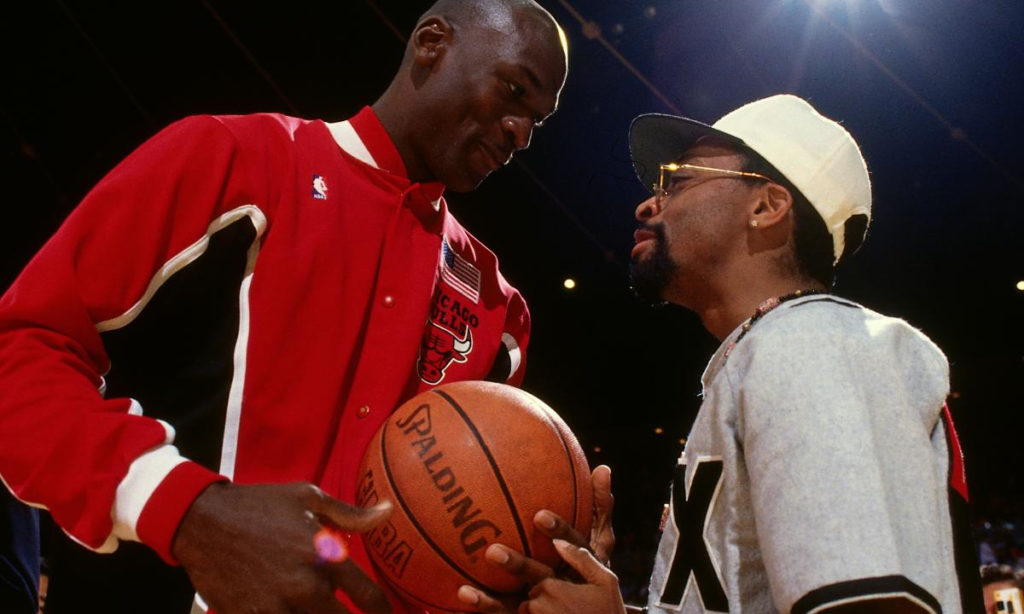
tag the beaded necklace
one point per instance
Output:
(766, 306)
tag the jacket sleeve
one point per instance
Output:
(516, 337)
(103, 469)
(835, 420)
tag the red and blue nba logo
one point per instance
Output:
(319, 188)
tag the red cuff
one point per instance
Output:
(165, 508)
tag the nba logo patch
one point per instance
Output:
(319, 188)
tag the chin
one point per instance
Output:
(462, 187)
(646, 285)
(464, 182)
(649, 274)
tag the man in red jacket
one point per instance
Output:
(197, 359)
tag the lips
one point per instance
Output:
(642, 237)
(643, 234)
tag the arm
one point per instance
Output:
(510, 364)
(104, 469)
(836, 417)
(96, 462)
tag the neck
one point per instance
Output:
(398, 123)
(737, 299)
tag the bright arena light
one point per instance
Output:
(569, 283)
(1020, 285)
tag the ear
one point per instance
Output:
(430, 39)
(772, 206)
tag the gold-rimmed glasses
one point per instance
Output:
(670, 184)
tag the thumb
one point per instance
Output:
(580, 559)
(349, 517)
(601, 482)
(602, 535)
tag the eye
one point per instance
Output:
(676, 182)
(515, 89)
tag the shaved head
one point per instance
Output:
(503, 16)
(483, 12)
(478, 11)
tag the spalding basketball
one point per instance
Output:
(466, 465)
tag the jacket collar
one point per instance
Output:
(363, 137)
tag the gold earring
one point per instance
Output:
(753, 223)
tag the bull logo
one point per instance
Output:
(440, 349)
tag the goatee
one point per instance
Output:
(649, 275)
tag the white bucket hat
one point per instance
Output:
(816, 154)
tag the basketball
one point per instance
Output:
(466, 465)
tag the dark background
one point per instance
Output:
(931, 90)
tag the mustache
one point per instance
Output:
(656, 228)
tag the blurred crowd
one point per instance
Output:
(999, 533)
(1000, 536)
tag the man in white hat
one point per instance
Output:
(822, 471)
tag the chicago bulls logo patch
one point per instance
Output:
(439, 350)
(447, 336)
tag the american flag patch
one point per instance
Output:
(459, 273)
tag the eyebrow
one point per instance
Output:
(531, 76)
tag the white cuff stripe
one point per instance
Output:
(144, 476)
(515, 355)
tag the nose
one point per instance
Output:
(647, 209)
(521, 129)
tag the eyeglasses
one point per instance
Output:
(669, 185)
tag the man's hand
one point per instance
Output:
(251, 549)
(602, 538)
(597, 594)
(532, 572)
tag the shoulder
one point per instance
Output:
(241, 128)
(823, 339)
(262, 142)
(824, 323)
(261, 125)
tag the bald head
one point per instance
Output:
(499, 16)
(479, 11)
